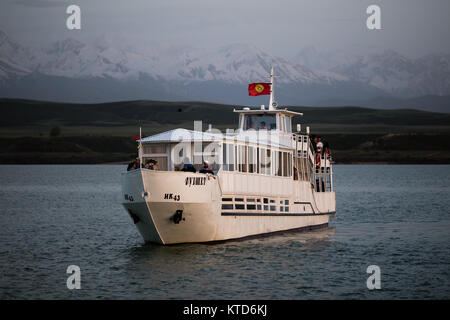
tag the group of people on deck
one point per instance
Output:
(149, 164)
(189, 167)
(153, 165)
(321, 146)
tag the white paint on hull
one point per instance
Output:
(153, 197)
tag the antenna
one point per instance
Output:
(272, 103)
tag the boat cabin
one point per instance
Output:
(262, 145)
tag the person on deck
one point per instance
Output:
(263, 126)
(206, 168)
(188, 167)
(319, 145)
(149, 164)
(314, 142)
(326, 148)
(138, 164)
(131, 165)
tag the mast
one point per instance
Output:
(140, 145)
(272, 102)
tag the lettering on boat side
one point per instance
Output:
(171, 196)
(129, 198)
(233, 309)
(195, 181)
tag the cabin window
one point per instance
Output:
(242, 158)
(240, 206)
(260, 122)
(227, 206)
(265, 161)
(252, 164)
(257, 161)
(287, 124)
(228, 157)
(154, 148)
(285, 164)
(280, 163)
(282, 128)
(275, 163)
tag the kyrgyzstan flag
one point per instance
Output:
(257, 89)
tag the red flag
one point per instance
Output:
(257, 89)
(136, 137)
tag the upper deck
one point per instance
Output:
(264, 144)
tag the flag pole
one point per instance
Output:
(271, 102)
(140, 145)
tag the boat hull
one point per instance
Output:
(181, 207)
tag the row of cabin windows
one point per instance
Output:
(257, 160)
(267, 204)
(235, 157)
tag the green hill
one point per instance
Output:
(28, 112)
(92, 133)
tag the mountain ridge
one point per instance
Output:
(71, 70)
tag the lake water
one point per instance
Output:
(396, 217)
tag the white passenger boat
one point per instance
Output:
(265, 179)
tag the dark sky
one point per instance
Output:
(281, 27)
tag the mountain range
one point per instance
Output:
(73, 71)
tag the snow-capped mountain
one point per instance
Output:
(387, 70)
(323, 60)
(15, 60)
(238, 63)
(241, 63)
(108, 69)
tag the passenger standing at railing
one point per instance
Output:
(314, 142)
(319, 145)
(188, 167)
(134, 165)
(206, 168)
(326, 149)
(149, 164)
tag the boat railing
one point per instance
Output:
(319, 172)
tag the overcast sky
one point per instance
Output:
(281, 27)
